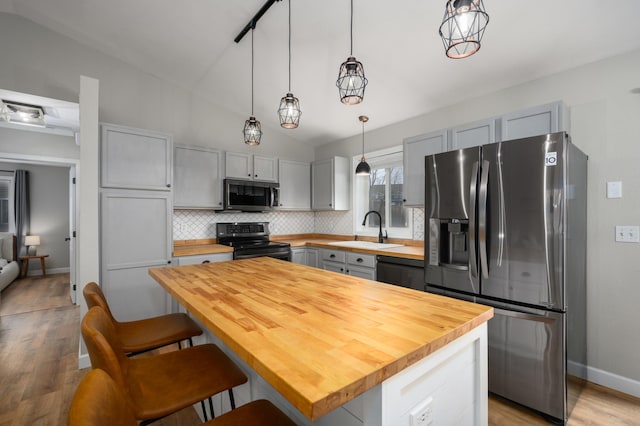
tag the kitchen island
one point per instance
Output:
(322, 339)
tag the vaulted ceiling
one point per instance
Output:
(191, 44)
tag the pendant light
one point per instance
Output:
(462, 27)
(252, 130)
(289, 110)
(351, 80)
(363, 168)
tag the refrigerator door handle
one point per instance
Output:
(523, 315)
(482, 219)
(473, 263)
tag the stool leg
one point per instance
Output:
(231, 400)
(213, 415)
(190, 342)
(179, 345)
(204, 410)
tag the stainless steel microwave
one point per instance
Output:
(250, 196)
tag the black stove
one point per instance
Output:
(251, 239)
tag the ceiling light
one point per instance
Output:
(462, 27)
(21, 113)
(289, 110)
(363, 168)
(252, 130)
(351, 80)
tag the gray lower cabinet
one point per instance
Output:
(305, 256)
(197, 178)
(135, 235)
(350, 263)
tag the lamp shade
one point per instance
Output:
(462, 27)
(32, 240)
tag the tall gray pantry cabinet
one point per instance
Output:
(135, 218)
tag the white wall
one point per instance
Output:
(42, 62)
(605, 123)
(49, 204)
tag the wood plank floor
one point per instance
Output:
(39, 330)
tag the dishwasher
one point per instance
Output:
(400, 271)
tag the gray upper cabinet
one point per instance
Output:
(414, 150)
(135, 159)
(540, 120)
(330, 184)
(239, 165)
(197, 178)
(295, 185)
(473, 134)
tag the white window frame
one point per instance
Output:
(361, 199)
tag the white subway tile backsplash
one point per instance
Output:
(201, 224)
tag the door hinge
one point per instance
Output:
(73, 181)
(74, 287)
(74, 234)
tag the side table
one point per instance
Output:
(25, 263)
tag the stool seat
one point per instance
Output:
(99, 402)
(145, 334)
(159, 385)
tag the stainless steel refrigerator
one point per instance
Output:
(506, 227)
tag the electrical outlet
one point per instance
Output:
(628, 234)
(422, 415)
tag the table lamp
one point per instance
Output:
(32, 241)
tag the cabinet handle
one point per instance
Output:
(168, 185)
(330, 204)
(341, 269)
(168, 262)
(249, 174)
(255, 175)
(332, 256)
(359, 260)
(404, 200)
(206, 261)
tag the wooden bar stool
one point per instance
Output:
(99, 402)
(146, 334)
(159, 385)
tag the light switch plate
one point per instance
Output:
(628, 234)
(614, 189)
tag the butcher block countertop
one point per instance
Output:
(411, 249)
(319, 338)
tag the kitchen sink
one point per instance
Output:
(365, 245)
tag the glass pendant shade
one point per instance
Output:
(462, 27)
(289, 111)
(252, 131)
(351, 81)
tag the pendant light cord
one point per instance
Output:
(351, 31)
(363, 139)
(253, 27)
(289, 46)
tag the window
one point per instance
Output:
(381, 191)
(6, 204)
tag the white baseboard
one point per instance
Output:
(605, 378)
(84, 361)
(38, 272)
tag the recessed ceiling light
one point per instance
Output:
(21, 113)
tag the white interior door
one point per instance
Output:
(72, 234)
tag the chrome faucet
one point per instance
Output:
(364, 222)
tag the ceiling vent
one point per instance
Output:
(21, 113)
